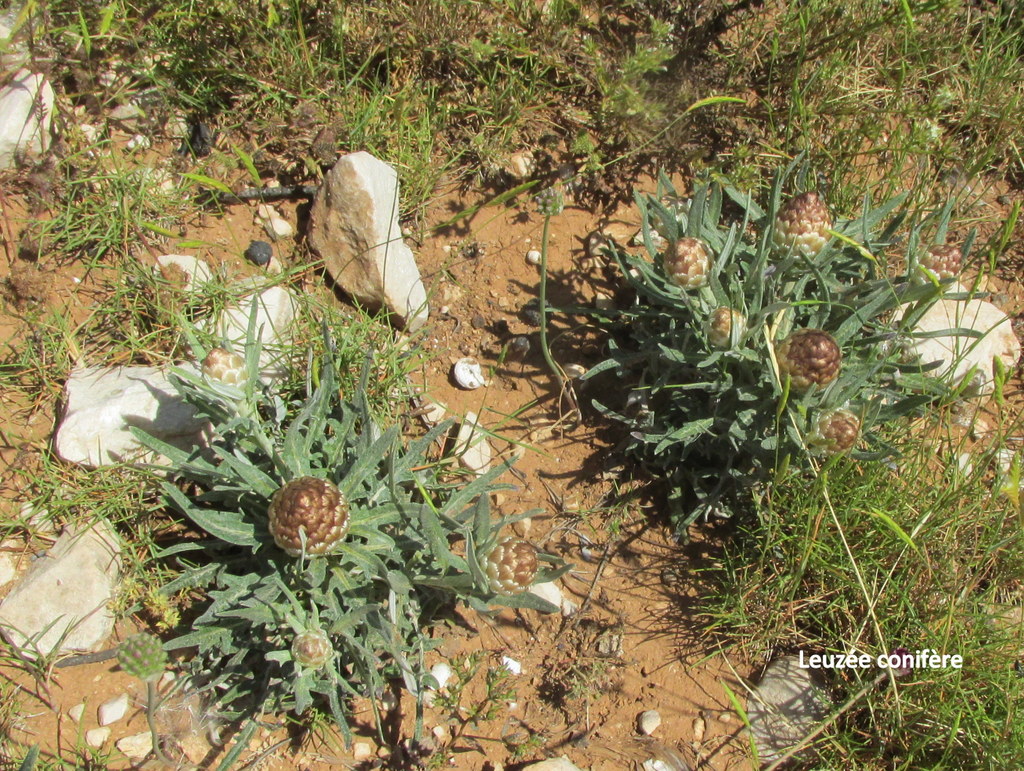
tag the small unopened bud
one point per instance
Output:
(802, 225)
(942, 261)
(688, 263)
(512, 566)
(809, 357)
(836, 431)
(225, 366)
(312, 649)
(720, 325)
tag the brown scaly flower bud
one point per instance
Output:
(720, 324)
(836, 431)
(809, 356)
(224, 366)
(802, 225)
(688, 263)
(942, 261)
(311, 507)
(312, 649)
(512, 566)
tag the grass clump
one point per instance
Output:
(881, 93)
(866, 558)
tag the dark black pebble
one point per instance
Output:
(259, 253)
(199, 141)
(530, 313)
(519, 346)
(478, 322)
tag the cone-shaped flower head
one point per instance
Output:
(802, 225)
(836, 431)
(809, 356)
(688, 263)
(720, 325)
(312, 649)
(224, 366)
(142, 656)
(311, 508)
(942, 261)
(512, 566)
(550, 202)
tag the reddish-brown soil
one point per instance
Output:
(635, 642)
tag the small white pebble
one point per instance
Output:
(76, 280)
(278, 228)
(574, 371)
(97, 737)
(138, 142)
(512, 665)
(442, 673)
(447, 248)
(136, 746)
(548, 591)
(656, 765)
(113, 710)
(699, 727)
(649, 721)
(533, 257)
(467, 374)
(361, 751)
(76, 712)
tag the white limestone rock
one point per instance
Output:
(112, 710)
(66, 591)
(553, 764)
(196, 270)
(471, 445)
(787, 704)
(13, 52)
(9, 553)
(102, 404)
(276, 226)
(549, 591)
(136, 746)
(26, 115)
(97, 737)
(649, 721)
(275, 311)
(353, 227)
(958, 355)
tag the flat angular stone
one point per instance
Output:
(958, 354)
(353, 227)
(196, 271)
(103, 404)
(26, 114)
(275, 311)
(553, 764)
(66, 591)
(787, 705)
(471, 446)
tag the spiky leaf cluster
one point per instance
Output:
(710, 407)
(287, 624)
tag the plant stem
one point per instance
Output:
(564, 387)
(543, 309)
(150, 711)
